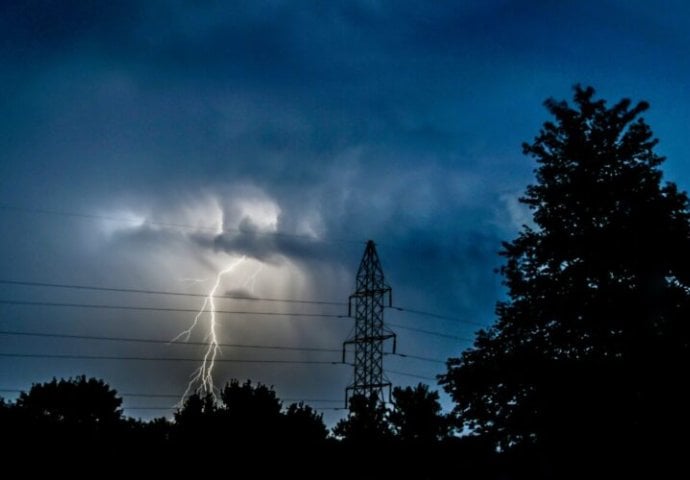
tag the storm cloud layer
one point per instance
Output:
(190, 133)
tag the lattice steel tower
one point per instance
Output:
(370, 332)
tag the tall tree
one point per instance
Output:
(417, 416)
(589, 350)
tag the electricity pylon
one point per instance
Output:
(370, 332)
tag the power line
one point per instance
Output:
(169, 343)
(228, 312)
(168, 408)
(228, 297)
(175, 408)
(405, 374)
(153, 395)
(149, 408)
(429, 332)
(165, 309)
(165, 292)
(166, 359)
(149, 395)
(315, 400)
(165, 342)
(435, 315)
(416, 357)
(174, 395)
(172, 309)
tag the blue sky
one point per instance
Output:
(328, 123)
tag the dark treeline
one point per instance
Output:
(84, 415)
(582, 375)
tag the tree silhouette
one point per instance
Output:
(75, 409)
(197, 418)
(247, 414)
(8, 417)
(75, 401)
(587, 353)
(366, 422)
(196, 406)
(303, 424)
(251, 412)
(417, 416)
(156, 433)
(250, 420)
(244, 400)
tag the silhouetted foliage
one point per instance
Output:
(251, 411)
(72, 402)
(6, 412)
(248, 414)
(302, 423)
(244, 400)
(249, 427)
(155, 433)
(417, 416)
(587, 354)
(67, 412)
(197, 418)
(366, 421)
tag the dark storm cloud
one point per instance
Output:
(325, 67)
(368, 111)
(270, 90)
(39, 29)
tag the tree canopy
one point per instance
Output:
(73, 401)
(76, 410)
(366, 422)
(417, 416)
(589, 347)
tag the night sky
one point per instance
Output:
(150, 144)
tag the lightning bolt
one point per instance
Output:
(202, 378)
